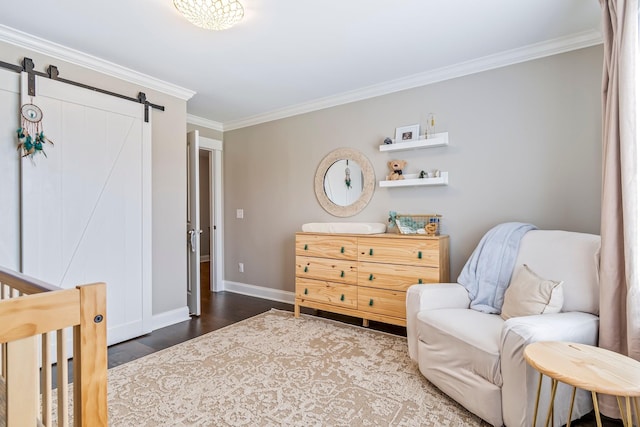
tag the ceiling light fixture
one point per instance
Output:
(211, 14)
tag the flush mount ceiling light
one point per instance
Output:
(211, 14)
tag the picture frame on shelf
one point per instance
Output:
(407, 133)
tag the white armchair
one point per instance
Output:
(476, 358)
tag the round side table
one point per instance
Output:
(589, 368)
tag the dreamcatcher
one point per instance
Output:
(30, 136)
(347, 176)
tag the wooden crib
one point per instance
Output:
(36, 321)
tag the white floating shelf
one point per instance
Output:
(437, 140)
(409, 182)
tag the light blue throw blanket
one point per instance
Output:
(487, 273)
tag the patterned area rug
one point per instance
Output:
(275, 370)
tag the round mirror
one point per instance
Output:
(344, 182)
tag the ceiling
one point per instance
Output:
(289, 56)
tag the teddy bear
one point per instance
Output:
(396, 166)
(431, 229)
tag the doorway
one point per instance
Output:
(205, 184)
(206, 269)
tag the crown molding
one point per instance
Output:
(54, 50)
(201, 121)
(498, 60)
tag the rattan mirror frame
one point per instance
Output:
(369, 181)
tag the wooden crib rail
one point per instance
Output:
(36, 314)
(23, 283)
(28, 313)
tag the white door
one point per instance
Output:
(86, 207)
(193, 223)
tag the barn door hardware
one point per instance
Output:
(53, 74)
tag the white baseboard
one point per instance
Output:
(204, 258)
(260, 292)
(171, 317)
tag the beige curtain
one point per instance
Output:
(619, 262)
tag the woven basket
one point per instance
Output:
(410, 224)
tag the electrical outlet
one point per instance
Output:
(239, 213)
(241, 267)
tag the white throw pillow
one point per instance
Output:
(529, 294)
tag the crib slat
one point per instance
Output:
(22, 380)
(46, 381)
(63, 379)
(5, 293)
(3, 348)
(3, 357)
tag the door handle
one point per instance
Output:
(192, 240)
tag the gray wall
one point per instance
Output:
(524, 146)
(169, 264)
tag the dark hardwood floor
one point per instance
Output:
(225, 308)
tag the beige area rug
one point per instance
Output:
(275, 370)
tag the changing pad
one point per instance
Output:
(345, 227)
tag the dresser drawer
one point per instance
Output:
(327, 292)
(380, 301)
(327, 246)
(395, 276)
(333, 270)
(400, 251)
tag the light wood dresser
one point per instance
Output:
(366, 275)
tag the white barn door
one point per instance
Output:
(86, 207)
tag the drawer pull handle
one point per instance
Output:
(371, 276)
(306, 247)
(342, 297)
(371, 302)
(342, 274)
(306, 269)
(419, 281)
(371, 252)
(306, 291)
(342, 250)
(419, 254)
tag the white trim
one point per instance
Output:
(215, 164)
(171, 317)
(204, 258)
(210, 144)
(498, 60)
(201, 121)
(260, 292)
(54, 50)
